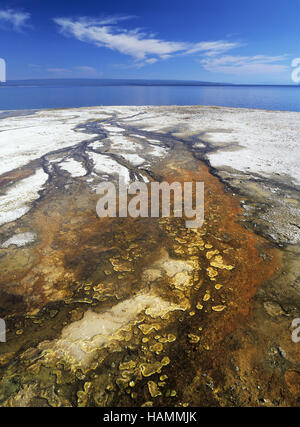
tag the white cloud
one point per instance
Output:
(212, 48)
(78, 71)
(147, 49)
(58, 70)
(151, 60)
(259, 64)
(86, 69)
(16, 20)
(136, 43)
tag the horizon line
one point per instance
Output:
(191, 82)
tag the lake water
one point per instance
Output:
(81, 94)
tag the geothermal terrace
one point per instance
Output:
(132, 312)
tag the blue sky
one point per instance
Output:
(223, 41)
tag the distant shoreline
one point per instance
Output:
(129, 82)
(27, 111)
